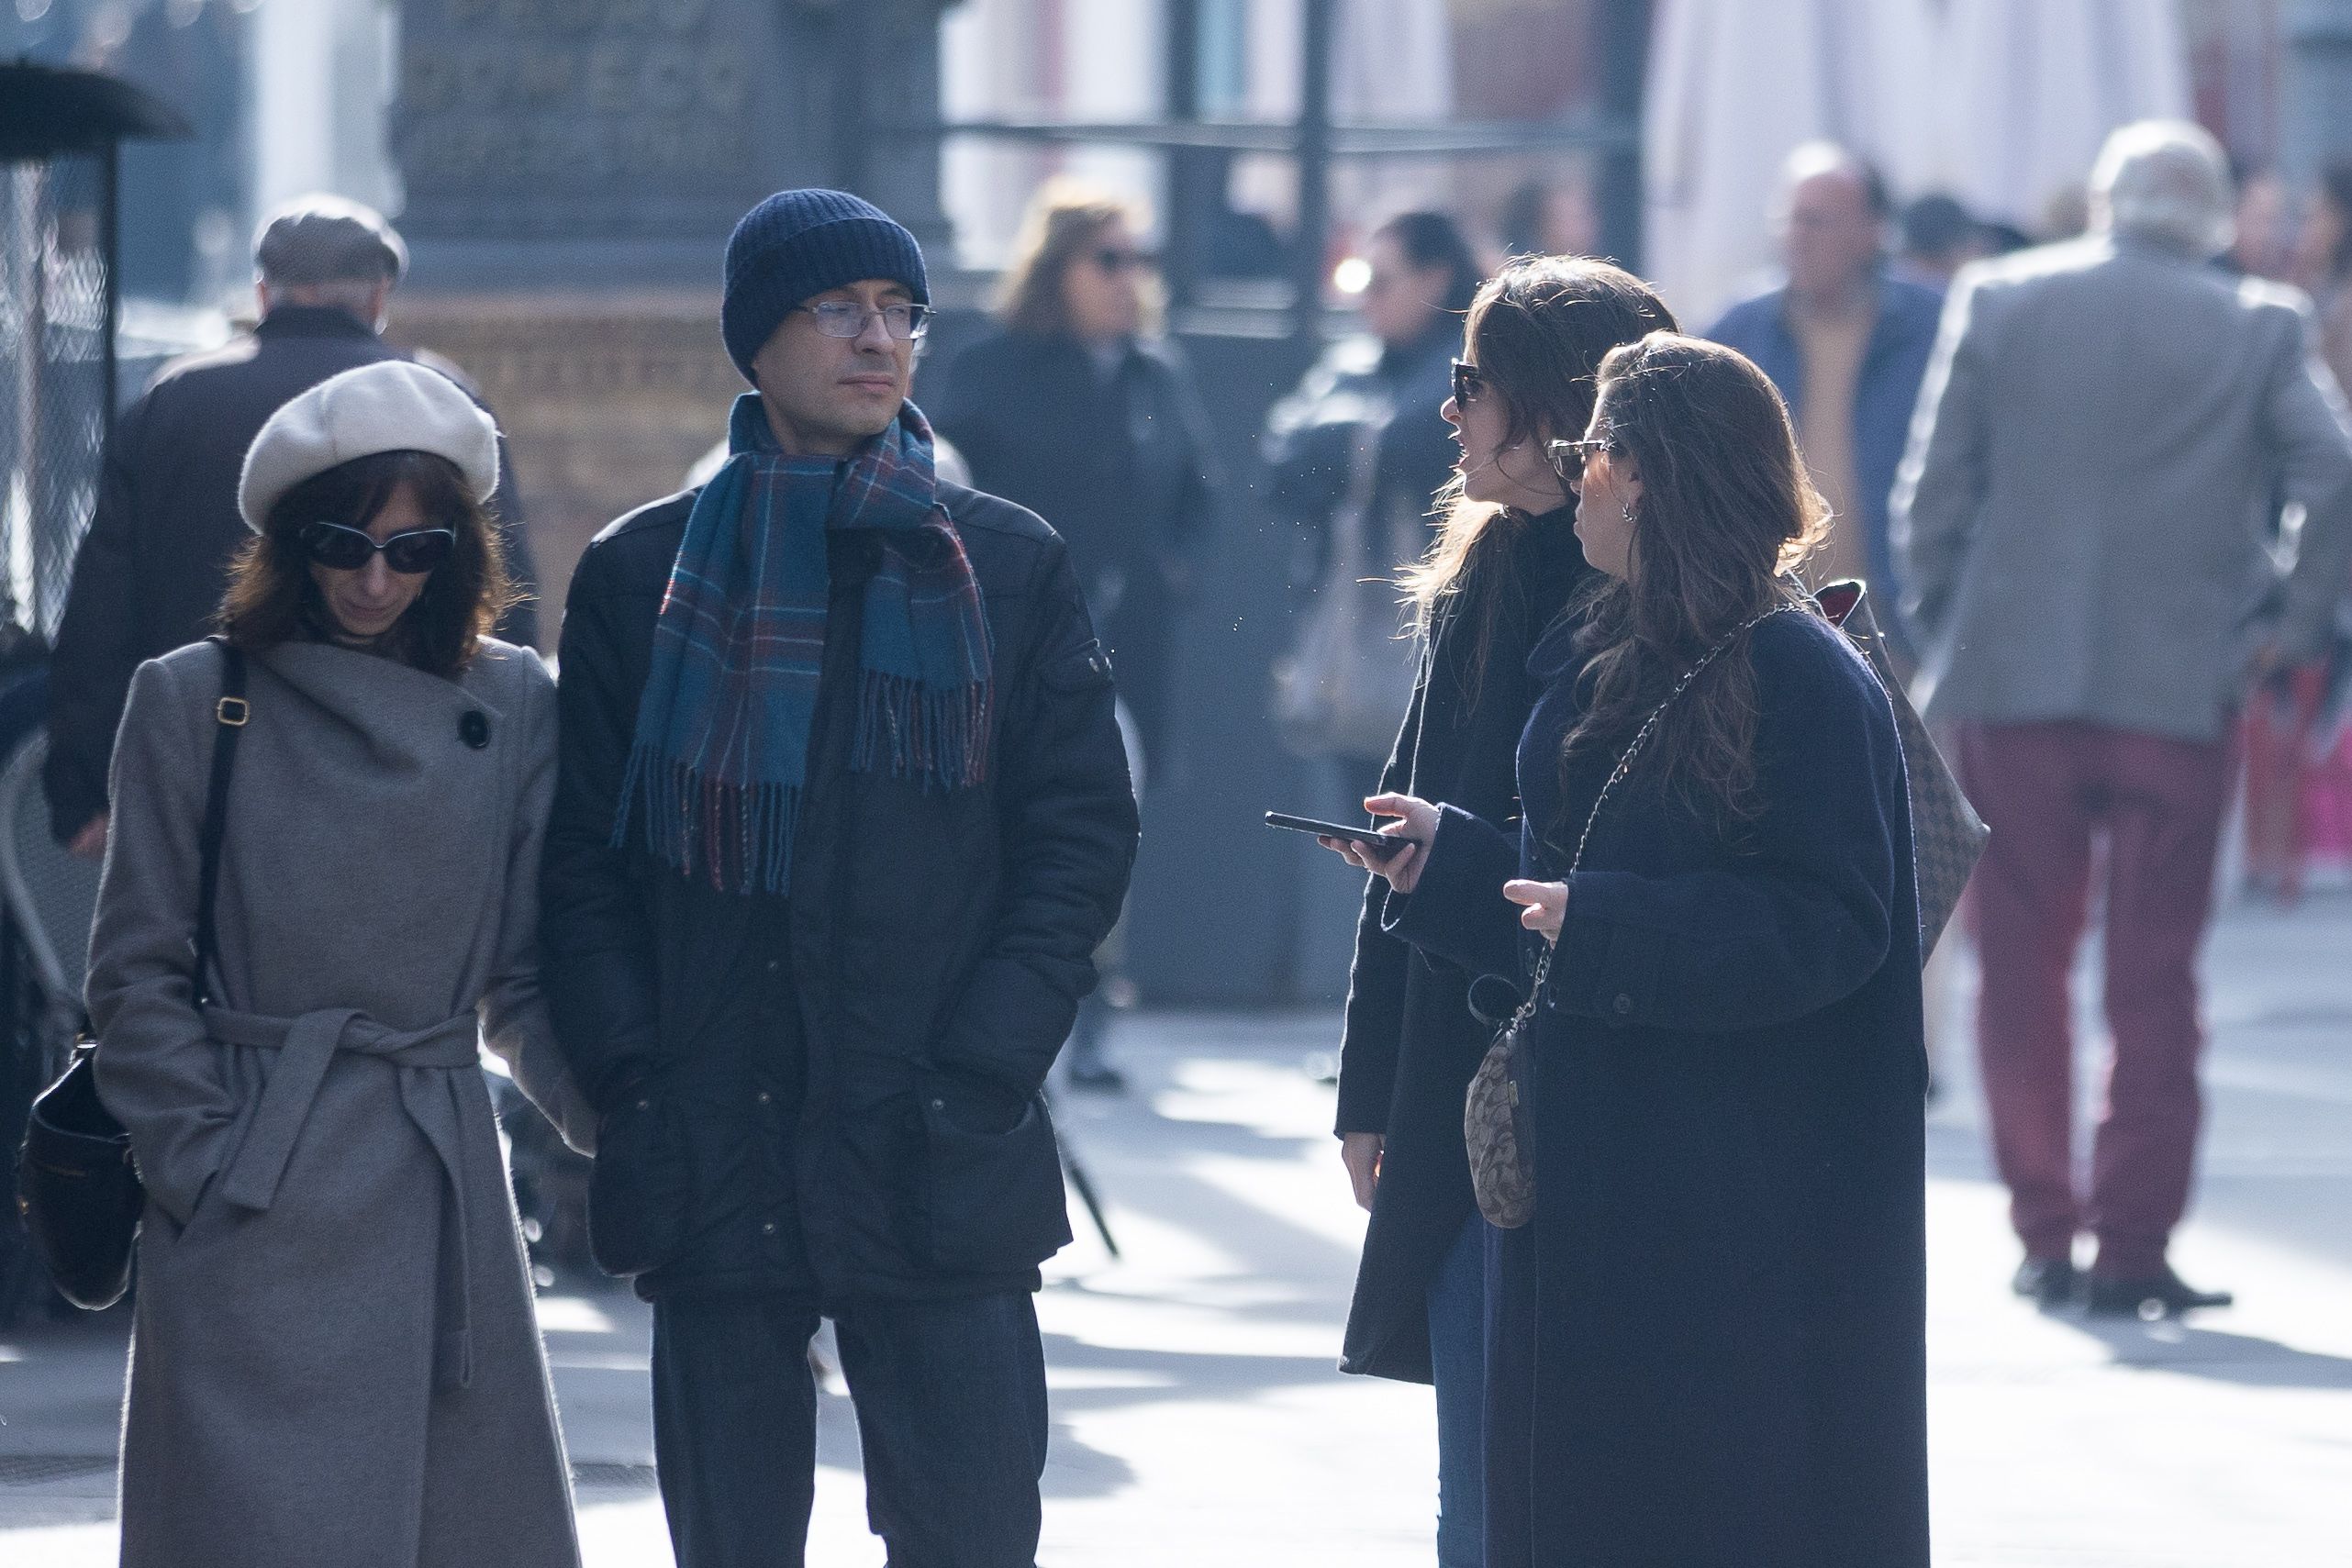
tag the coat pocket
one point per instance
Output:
(641, 1188)
(992, 1200)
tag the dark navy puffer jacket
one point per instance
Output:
(839, 1096)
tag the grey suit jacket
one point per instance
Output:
(2083, 515)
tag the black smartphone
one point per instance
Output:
(1383, 844)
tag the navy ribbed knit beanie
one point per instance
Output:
(797, 244)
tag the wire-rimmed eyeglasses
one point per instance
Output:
(847, 318)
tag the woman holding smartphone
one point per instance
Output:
(334, 1359)
(1504, 565)
(1708, 1345)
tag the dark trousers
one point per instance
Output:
(951, 1414)
(1457, 1354)
(1507, 1461)
(2052, 793)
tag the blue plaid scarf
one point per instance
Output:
(722, 751)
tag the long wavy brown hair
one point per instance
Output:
(1538, 331)
(272, 598)
(1726, 513)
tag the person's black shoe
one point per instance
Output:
(2045, 1282)
(2160, 1296)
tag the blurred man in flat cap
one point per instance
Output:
(151, 568)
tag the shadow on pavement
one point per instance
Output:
(2241, 1358)
(1133, 1377)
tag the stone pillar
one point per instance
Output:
(887, 150)
(607, 396)
(572, 170)
(2313, 125)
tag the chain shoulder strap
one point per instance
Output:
(1617, 776)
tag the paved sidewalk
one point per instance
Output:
(1197, 1418)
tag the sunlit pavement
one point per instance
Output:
(1197, 1418)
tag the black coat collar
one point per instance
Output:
(311, 321)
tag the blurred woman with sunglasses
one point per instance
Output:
(1505, 564)
(1080, 411)
(334, 1354)
(1707, 1346)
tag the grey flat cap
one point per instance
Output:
(325, 240)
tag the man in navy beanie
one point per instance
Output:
(840, 815)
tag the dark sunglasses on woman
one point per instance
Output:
(1114, 261)
(412, 554)
(1568, 458)
(1469, 384)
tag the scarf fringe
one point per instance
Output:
(737, 836)
(909, 730)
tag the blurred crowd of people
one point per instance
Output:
(2099, 486)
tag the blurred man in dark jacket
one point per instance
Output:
(1380, 393)
(151, 569)
(1846, 343)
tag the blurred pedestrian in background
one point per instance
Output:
(1939, 238)
(1707, 1346)
(1846, 344)
(1079, 410)
(1550, 215)
(2262, 238)
(165, 530)
(1366, 415)
(2323, 264)
(1356, 456)
(334, 1358)
(2084, 523)
(1504, 566)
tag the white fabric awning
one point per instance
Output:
(2001, 103)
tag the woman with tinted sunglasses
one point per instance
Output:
(1707, 1343)
(1083, 412)
(335, 1358)
(1504, 565)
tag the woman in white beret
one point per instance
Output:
(334, 1358)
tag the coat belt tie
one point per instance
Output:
(425, 1058)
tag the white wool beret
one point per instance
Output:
(392, 406)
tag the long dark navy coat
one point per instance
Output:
(1411, 1043)
(1710, 1348)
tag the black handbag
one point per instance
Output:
(77, 1188)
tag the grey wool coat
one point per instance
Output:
(2082, 519)
(334, 1358)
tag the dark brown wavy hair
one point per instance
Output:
(1538, 331)
(1726, 513)
(272, 597)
